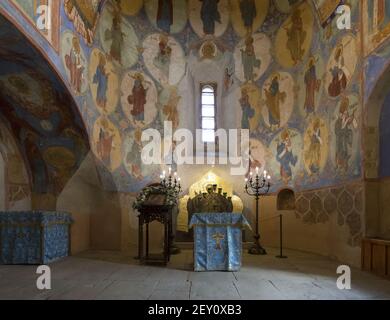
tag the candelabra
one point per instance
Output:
(172, 184)
(257, 186)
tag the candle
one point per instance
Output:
(246, 179)
(169, 170)
(265, 173)
(269, 177)
(257, 170)
(251, 173)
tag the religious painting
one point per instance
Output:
(170, 102)
(294, 38)
(326, 10)
(252, 57)
(341, 66)
(85, 16)
(286, 149)
(248, 15)
(130, 8)
(104, 82)
(258, 155)
(29, 9)
(138, 97)
(132, 157)
(310, 84)
(107, 143)
(249, 106)
(345, 131)
(118, 38)
(209, 17)
(316, 146)
(376, 23)
(75, 62)
(286, 6)
(169, 16)
(164, 58)
(278, 100)
(208, 50)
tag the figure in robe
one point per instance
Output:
(312, 87)
(339, 78)
(344, 126)
(249, 60)
(138, 98)
(105, 144)
(285, 156)
(163, 58)
(209, 14)
(74, 63)
(116, 36)
(383, 12)
(313, 155)
(296, 36)
(133, 158)
(274, 99)
(165, 15)
(101, 79)
(248, 13)
(247, 111)
(170, 109)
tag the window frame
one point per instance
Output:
(214, 86)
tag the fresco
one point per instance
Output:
(107, 143)
(104, 82)
(131, 8)
(286, 6)
(316, 146)
(252, 57)
(249, 110)
(294, 38)
(326, 9)
(164, 58)
(247, 16)
(170, 103)
(278, 100)
(138, 97)
(341, 66)
(85, 16)
(29, 9)
(209, 17)
(258, 155)
(169, 16)
(118, 38)
(376, 23)
(75, 62)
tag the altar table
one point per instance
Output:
(218, 241)
(34, 237)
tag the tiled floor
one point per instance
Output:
(107, 275)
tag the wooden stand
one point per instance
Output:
(148, 214)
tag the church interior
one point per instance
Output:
(195, 149)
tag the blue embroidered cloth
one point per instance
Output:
(218, 241)
(33, 237)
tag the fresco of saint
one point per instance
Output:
(339, 78)
(209, 14)
(274, 99)
(133, 158)
(312, 87)
(249, 60)
(313, 155)
(164, 17)
(101, 79)
(138, 98)
(285, 156)
(248, 13)
(163, 58)
(116, 36)
(344, 126)
(247, 111)
(296, 36)
(170, 109)
(105, 143)
(74, 63)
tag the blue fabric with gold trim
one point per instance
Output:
(33, 237)
(218, 241)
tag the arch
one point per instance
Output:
(285, 199)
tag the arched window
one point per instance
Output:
(286, 200)
(208, 112)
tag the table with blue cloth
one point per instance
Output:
(218, 241)
(34, 237)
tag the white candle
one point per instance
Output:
(269, 177)
(246, 179)
(257, 170)
(265, 173)
(251, 173)
(169, 170)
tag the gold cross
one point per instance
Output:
(218, 237)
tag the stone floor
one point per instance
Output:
(107, 275)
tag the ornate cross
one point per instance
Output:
(218, 237)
